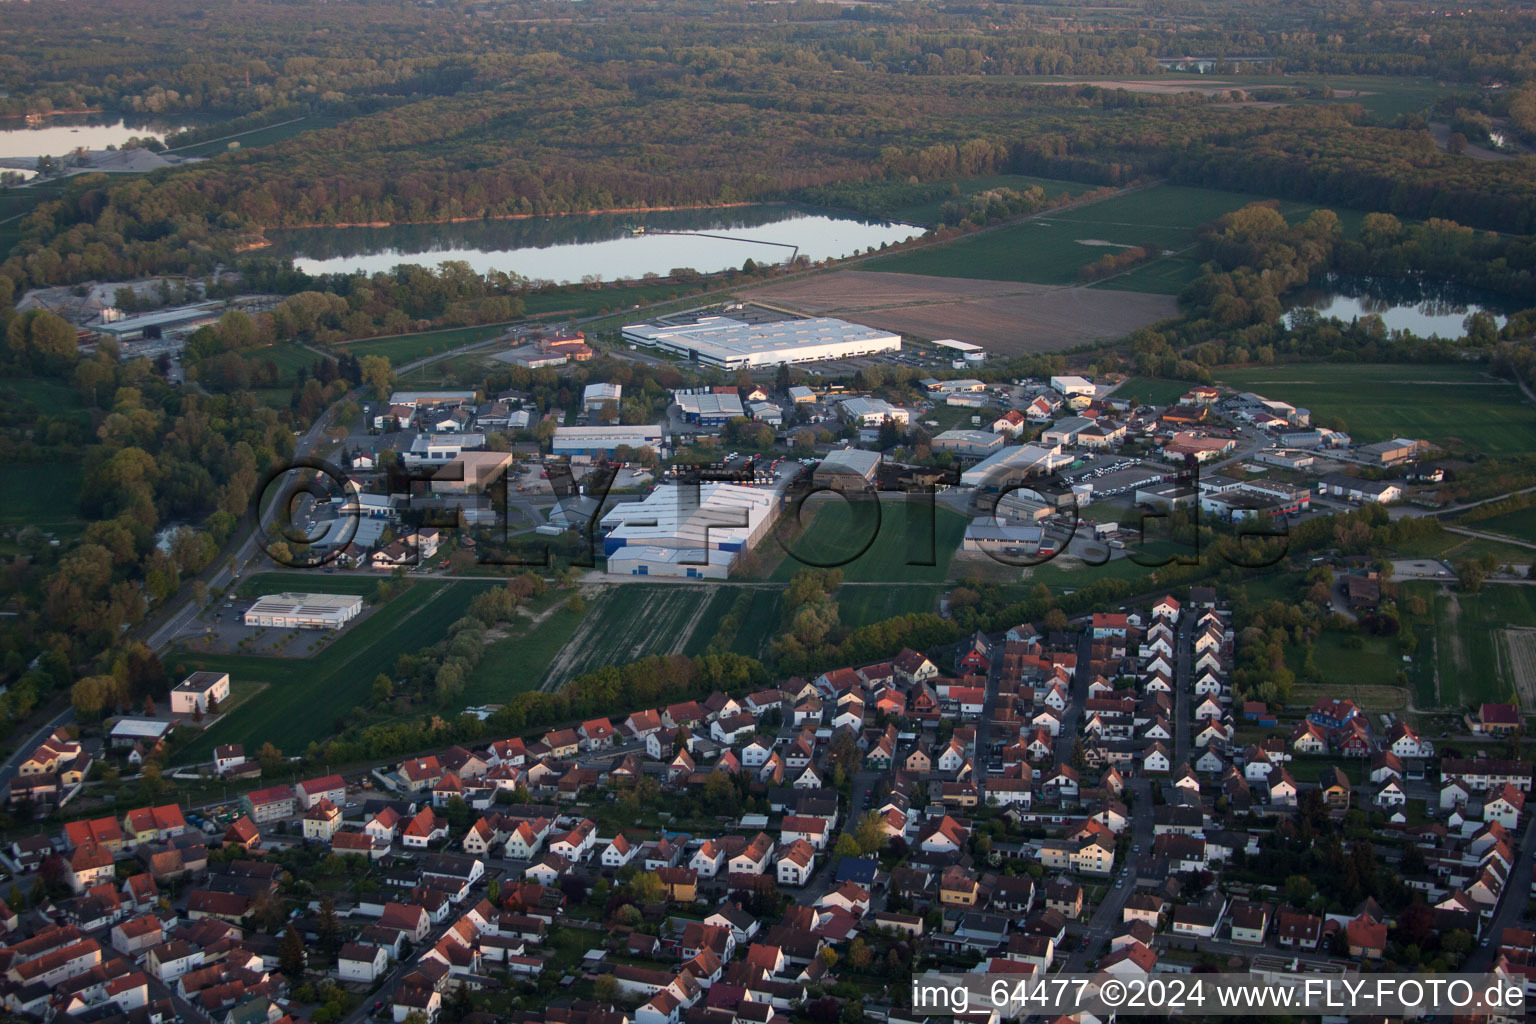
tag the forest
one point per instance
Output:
(467, 111)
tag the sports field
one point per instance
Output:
(309, 699)
(1449, 405)
(869, 552)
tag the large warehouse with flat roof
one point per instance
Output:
(1012, 464)
(603, 440)
(304, 611)
(680, 531)
(733, 344)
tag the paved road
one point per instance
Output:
(859, 793)
(1105, 921)
(1499, 537)
(1182, 697)
(180, 620)
(1071, 721)
(9, 767)
(984, 726)
(1512, 906)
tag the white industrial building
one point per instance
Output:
(603, 440)
(304, 611)
(1068, 386)
(871, 412)
(970, 353)
(733, 344)
(684, 531)
(595, 396)
(1013, 464)
(708, 408)
(967, 442)
(413, 399)
(181, 320)
(989, 535)
(194, 693)
(439, 449)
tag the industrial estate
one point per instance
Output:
(664, 513)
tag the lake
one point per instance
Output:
(1423, 307)
(568, 249)
(65, 133)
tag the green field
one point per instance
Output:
(928, 214)
(1450, 405)
(1376, 662)
(1050, 248)
(759, 623)
(1386, 97)
(288, 357)
(1152, 390)
(1272, 586)
(1456, 546)
(406, 348)
(1167, 276)
(609, 298)
(630, 621)
(308, 699)
(709, 623)
(1519, 524)
(259, 137)
(1461, 642)
(860, 606)
(518, 663)
(49, 499)
(836, 533)
(1066, 572)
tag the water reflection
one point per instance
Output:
(609, 246)
(1423, 307)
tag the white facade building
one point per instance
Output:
(304, 611)
(193, 693)
(726, 342)
(684, 531)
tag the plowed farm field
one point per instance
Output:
(1007, 317)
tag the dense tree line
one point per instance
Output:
(492, 119)
(166, 475)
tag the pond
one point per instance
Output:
(65, 133)
(609, 247)
(1404, 304)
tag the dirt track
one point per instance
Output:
(1007, 317)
